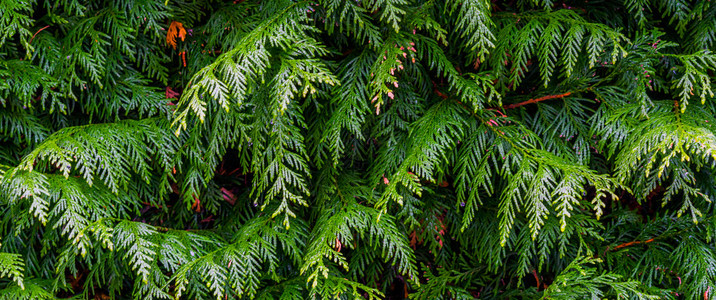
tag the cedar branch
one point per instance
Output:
(34, 35)
(632, 243)
(535, 100)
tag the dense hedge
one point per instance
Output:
(357, 149)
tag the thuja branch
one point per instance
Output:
(34, 35)
(661, 237)
(627, 244)
(558, 96)
(535, 100)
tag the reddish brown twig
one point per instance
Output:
(632, 243)
(534, 273)
(535, 100)
(34, 35)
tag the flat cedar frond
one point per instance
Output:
(378, 149)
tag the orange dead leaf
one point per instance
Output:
(414, 240)
(176, 29)
(338, 245)
(196, 206)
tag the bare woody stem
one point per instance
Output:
(631, 244)
(535, 100)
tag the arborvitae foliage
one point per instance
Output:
(156, 149)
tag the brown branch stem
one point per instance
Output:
(631, 244)
(34, 35)
(535, 100)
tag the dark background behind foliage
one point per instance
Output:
(357, 149)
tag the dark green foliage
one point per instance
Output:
(381, 149)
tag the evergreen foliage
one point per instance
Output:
(380, 149)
